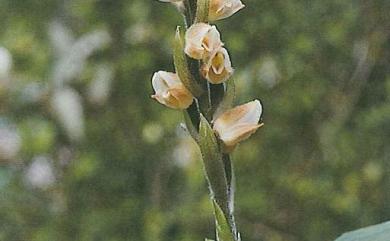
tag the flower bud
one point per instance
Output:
(201, 40)
(218, 67)
(170, 91)
(238, 124)
(220, 9)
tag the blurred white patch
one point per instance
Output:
(10, 142)
(34, 92)
(152, 133)
(373, 172)
(269, 73)
(67, 106)
(360, 50)
(99, 88)
(183, 152)
(138, 33)
(61, 37)
(5, 66)
(71, 64)
(244, 80)
(40, 173)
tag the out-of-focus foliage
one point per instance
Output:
(87, 155)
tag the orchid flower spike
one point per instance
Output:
(170, 91)
(201, 40)
(218, 67)
(238, 124)
(220, 9)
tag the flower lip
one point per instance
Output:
(218, 67)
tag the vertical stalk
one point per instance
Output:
(218, 166)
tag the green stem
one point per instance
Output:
(229, 172)
(218, 166)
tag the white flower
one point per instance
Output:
(238, 124)
(201, 40)
(220, 9)
(170, 91)
(218, 67)
(10, 142)
(68, 108)
(40, 173)
(5, 68)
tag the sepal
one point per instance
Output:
(181, 65)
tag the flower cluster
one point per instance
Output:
(203, 45)
(204, 89)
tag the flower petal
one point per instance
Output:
(202, 40)
(170, 91)
(238, 123)
(237, 134)
(218, 67)
(194, 40)
(220, 9)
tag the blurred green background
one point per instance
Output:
(87, 155)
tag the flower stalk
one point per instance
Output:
(203, 88)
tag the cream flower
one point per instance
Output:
(218, 67)
(238, 124)
(220, 9)
(170, 91)
(201, 40)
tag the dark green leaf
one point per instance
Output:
(217, 93)
(191, 128)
